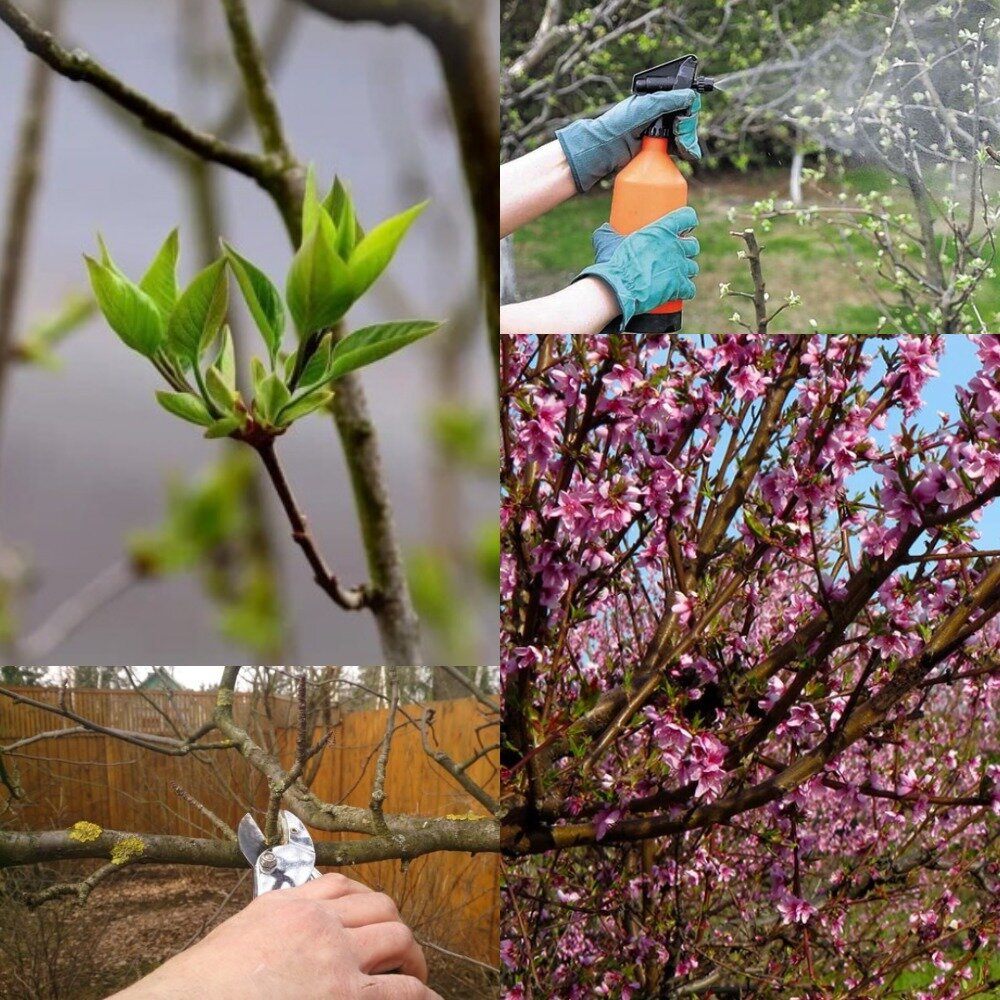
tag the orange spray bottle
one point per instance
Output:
(651, 185)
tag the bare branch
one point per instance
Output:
(77, 65)
(458, 773)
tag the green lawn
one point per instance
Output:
(815, 262)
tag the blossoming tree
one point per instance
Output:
(750, 671)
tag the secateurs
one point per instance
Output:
(289, 863)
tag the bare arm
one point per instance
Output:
(531, 185)
(586, 306)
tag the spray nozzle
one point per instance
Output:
(678, 74)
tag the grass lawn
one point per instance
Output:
(815, 262)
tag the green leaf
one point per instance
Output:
(186, 406)
(225, 426)
(218, 390)
(271, 397)
(226, 360)
(130, 312)
(257, 373)
(310, 204)
(160, 280)
(199, 313)
(262, 299)
(375, 342)
(300, 406)
(316, 368)
(319, 283)
(372, 255)
(338, 204)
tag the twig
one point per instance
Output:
(76, 610)
(158, 744)
(424, 943)
(752, 254)
(79, 889)
(221, 825)
(21, 199)
(303, 754)
(260, 96)
(378, 784)
(473, 689)
(349, 599)
(77, 65)
(443, 760)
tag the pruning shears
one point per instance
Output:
(290, 862)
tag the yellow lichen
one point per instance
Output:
(464, 816)
(84, 832)
(127, 849)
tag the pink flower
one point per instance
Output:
(704, 765)
(683, 606)
(605, 820)
(988, 348)
(796, 911)
(749, 382)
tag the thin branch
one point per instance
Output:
(221, 825)
(399, 629)
(158, 744)
(424, 943)
(441, 758)
(96, 594)
(21, 199)
(79, 889)
(78, 65)
(348, 599)
(378, 784)
(476, 692)
(257, 84)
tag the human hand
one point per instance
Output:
(329, 939)
(651, 266)
(596, 147)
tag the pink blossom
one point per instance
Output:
(796, 911)
(749, 382)
(684, 606)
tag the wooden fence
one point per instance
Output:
(452, 899)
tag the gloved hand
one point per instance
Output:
(595, 147)
(651, 266)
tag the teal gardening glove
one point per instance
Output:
(596, 147)
(651, 266)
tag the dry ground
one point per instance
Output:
(133, 923)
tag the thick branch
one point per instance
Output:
(395, 617)
(59, 845)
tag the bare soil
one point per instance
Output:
(133, 923)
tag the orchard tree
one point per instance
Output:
(749, 629)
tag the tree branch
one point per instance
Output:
(395, 617)
(60, 845)
(77, 65)
(21, 200)
(349, 599)
(257, 84)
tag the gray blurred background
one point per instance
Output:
(85, 451)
